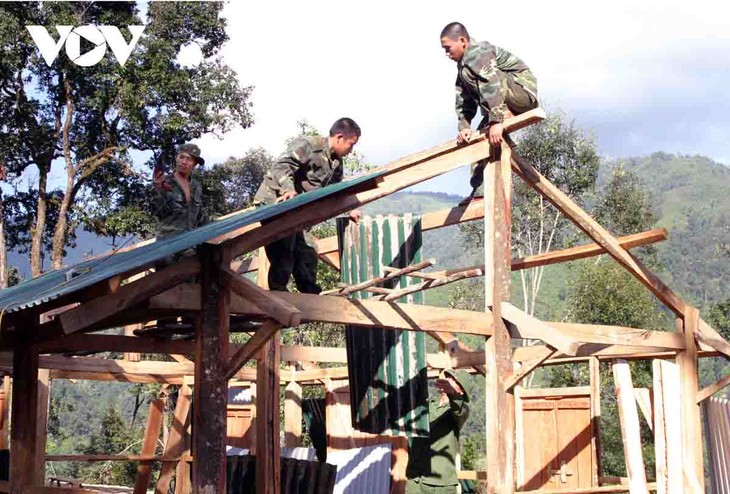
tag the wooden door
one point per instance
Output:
(555, 439)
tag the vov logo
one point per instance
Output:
(101, 36)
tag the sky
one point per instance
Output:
(640, 76)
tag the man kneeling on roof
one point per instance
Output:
(309, 163)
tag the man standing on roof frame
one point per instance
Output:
(491, 79)
(309, 163)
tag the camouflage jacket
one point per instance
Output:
(481, 82)
(176, 215)
(307, 164)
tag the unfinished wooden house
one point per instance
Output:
(63, 311)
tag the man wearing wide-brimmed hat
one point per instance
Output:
(179, 196)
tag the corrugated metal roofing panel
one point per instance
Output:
(362, 469)
(297, 476)
(387, 369)
(54, 284)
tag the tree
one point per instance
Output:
(113, 437)
(96, 116)
(231, 185)
(567, 157)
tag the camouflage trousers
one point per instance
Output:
(296, 256)
(415, 486)
(518, 101)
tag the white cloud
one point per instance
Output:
(609, 64)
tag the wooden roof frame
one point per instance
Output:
(221, 291)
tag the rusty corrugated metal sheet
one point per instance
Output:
(387, 369)
(717, 431)
(297, 476)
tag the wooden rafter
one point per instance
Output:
(127, 296)
(523, 325)
(253, 345)
(284, 313)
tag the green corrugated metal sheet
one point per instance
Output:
(55, 283)
(388, 380)
(297, 476)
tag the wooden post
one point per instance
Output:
(149, 444)
(293, 415)
(44, 401)
(268, 452)
(594, 367)
(211, 389)
(692, 459)
(175, 444)
(667, 428)
(497, 271)
(630, 430)
(268, 461)
(182, 470)
(25, 404)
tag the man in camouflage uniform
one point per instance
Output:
(432, 460)
(178, 200)
(491, 79)
(310, 162)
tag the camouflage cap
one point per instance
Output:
(453, 374)
(193, 150)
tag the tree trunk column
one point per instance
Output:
(497, 272)
(211, 389)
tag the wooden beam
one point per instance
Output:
(707, 335)
(127, 296)
(293, 415)
(149, 442)
(116, 343)
(295, 353)
(338, 310)
(527, 367)
(25, 404)
(523, 325)
(620, 335)
(588, 250)
(710, 390)
(282, 312)
(175, 445)
(692, 459)
(211, 389)
(599, 234)
(268, 455)
(253, 345)
(105, 457)
(500, 426)
(630, 430)
(571, 254)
